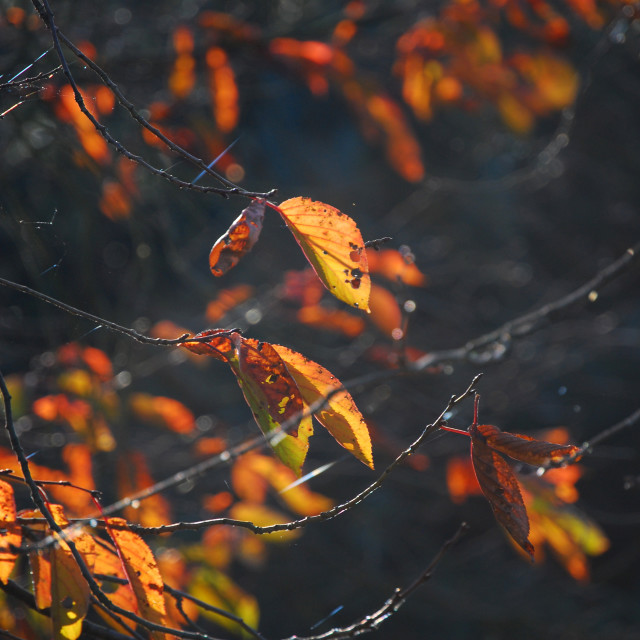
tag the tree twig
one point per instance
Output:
(493, 346)
(372, 621)
(46, 14)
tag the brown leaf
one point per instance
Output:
(500, 487)
(238, 240)
(526, 449)
(218, 346)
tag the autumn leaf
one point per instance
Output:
(340, 417)
(10, 534)
(163, 411)
(70, 592)
(238, 240)
(333, 245)
(142, 572)
(500, 488)
(216, 589)
(268, 389)
(273, 397)
(526, 449)
(107, 563)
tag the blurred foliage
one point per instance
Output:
(495, 141)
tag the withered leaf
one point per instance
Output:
(238, 240)
(500, 487)
(526, 449)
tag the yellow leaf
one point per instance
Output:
(333, 245)
(216, 589)
(263, 516)
(70, 592)
(340, 417)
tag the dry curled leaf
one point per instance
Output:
(239, 239)
(500, 488)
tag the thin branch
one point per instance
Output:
(492, 346)
(46, 14)
(325, 515)
(373, 621)
(107, 324)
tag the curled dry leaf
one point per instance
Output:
(238, 240)
(333, 245)
(526, 449)
(500, 488)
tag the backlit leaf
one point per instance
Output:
(395, 266)
(70, 592)
(10, 534)
(108, 563)
(274, 398)
(525, 449)
(340, 416)
(238, 240)
(263, 516)
(216, 589)
(336, 320)
(268, 389)
(142, 572)
(333, 245)
(500, 488)
(165, 412)
(385, 312)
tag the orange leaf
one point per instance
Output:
(385, 312)
(10, 534)
(166, 412)
(331, 320)
(395, 266)
(525, 449)
(226, 300)
(333, 245)
(218, 346)
(107, 563)
(340, 417)
(238, 240)
(142, 572)
(133, 476)
(500, 488)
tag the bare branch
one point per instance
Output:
(372, 621)
(334, 511)
(46, 14)
(492, 346)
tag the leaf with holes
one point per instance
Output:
(142, 572)
(239, 239)
(526, 449)
(340, 417)
(500, 487)
(333, 245)
(274, 398)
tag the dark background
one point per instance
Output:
(498, 228)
